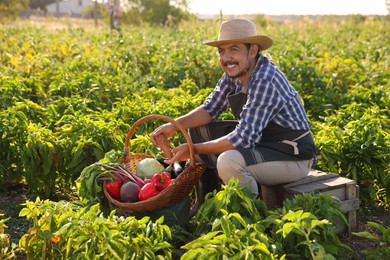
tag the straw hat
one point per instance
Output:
(240, 31)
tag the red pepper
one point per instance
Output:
(161, 180)
(114, 188)
(147, 191)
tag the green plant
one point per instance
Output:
(322, 207)
(380, 235)
(305, 225)
(354, 143)
(231, 237)
(231, 199)
(39, 160)
(231, 220)
(13, 129)
(65, 230)
(7, 249)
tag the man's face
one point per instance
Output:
(235, 60)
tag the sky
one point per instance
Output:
(289, 7)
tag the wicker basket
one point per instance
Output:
(179, 187)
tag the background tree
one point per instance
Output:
(11, 8)
(388, 6)
(35, 4)
(155, 12)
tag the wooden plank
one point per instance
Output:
(338, 180)
(317, 186)
(314, 175)
(337, 193)
(350, 205)
(351, 191)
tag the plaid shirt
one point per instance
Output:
(270, 98)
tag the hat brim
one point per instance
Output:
(263, 41)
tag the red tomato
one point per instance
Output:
(114, 188)
(147, 191)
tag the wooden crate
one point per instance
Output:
(341, 188)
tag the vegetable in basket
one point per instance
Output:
(148, 167)
(129, 192)
(114, 188)
(147, 191)
(175, 169)
(89, 183)
(120, 176)
(161, 180)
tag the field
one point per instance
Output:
(70, 91)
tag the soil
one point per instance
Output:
(11, 203)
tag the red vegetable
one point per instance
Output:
(161, 180)
(114, 188)
(147, 191)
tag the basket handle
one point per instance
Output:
(164, 118)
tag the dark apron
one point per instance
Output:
(277, 143)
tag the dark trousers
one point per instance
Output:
(210, 180)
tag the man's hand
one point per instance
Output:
(160, 138)
(180, 153)
(163, 143)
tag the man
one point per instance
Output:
(270, 143)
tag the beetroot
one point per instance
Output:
(129, 192)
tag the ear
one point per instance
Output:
(254, 50)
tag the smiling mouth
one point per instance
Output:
(230, 65)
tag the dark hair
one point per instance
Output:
(248, 45)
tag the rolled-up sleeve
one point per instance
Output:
(217, 101)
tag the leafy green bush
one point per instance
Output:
(231, 224)
(380, 235)
(39, 160)
(324, 211)
(231, 199)
(355, 143)
(13, 126)
(7, 249)
(66, 230)
(231, 237)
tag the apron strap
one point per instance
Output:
(294, 144)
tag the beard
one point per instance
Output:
(239, 74)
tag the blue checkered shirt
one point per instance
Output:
(270, 98)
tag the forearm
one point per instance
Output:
(195, 118)
(216, 146)
(199, 117)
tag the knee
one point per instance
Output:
(232, 164)
(229, 163)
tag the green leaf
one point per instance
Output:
(287, 228)
(367, 235)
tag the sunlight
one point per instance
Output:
(289, 7)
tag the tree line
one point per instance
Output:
(155, 12)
